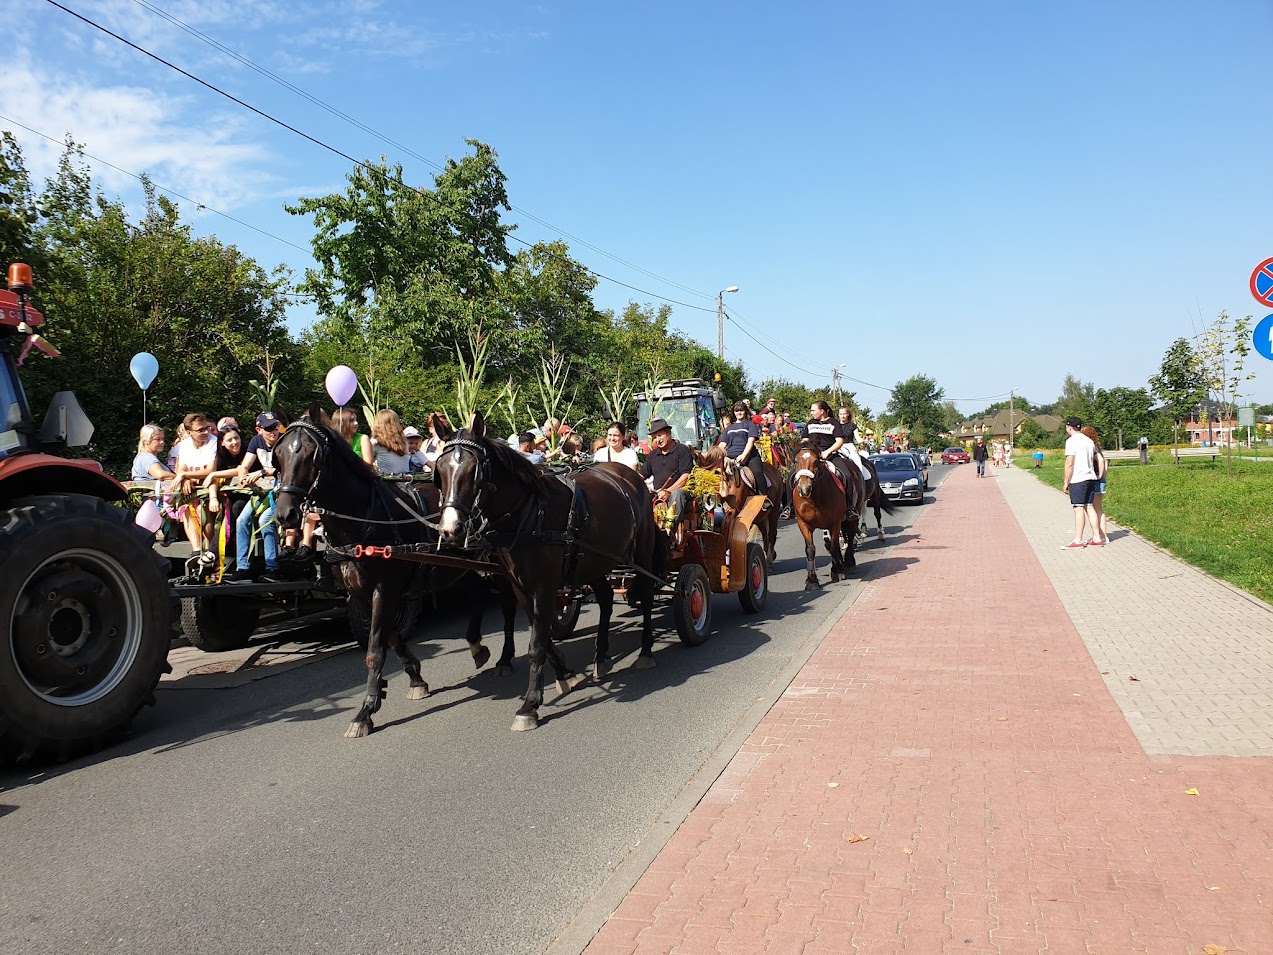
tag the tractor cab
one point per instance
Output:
(693, 408)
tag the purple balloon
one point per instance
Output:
(148, 516)
(341, 384)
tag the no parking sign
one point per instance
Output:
(1262, 283)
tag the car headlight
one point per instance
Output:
(911, 482)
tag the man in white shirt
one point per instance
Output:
(1080, 481)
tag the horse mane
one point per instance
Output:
(525, 473)
(712, 459)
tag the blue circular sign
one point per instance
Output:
(1262, 337)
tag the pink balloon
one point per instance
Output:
(148, 517)
(341, 384)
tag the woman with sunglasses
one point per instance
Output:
(616, 449)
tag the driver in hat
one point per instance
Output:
(667, 470)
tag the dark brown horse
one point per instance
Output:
(319, 471)
(736, 490)
(819, 503)
(549, 533)
(875, 500)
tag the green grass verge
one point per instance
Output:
(1194, 510)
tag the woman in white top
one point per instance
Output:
(616, 449)
(196, 453)
(390, 443)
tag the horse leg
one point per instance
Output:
(418, 689)
(508, 604)
(527, 717)
(605, 602)
(476, 598)
(811, 559)
(361, 725)
(833, 545)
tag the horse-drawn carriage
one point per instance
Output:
(551, 537)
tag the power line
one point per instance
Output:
(202, 206)
(383, 137)
(327, 146)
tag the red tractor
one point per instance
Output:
(85, 612)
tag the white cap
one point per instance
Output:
(410, 432)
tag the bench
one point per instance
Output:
(1133, 454)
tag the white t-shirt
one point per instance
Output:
(1080, 447)
(195, 459)
(625, 456)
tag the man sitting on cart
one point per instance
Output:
(667, 469)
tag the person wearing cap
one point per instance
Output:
(1080, 481)
(261, 452)
(417, 462)
(667, 469)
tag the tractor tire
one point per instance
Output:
(216, 624)
(87, 622)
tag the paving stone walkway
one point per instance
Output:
(940, 778)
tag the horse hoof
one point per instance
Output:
(812, 585)
(600, 670)
(525, 721)
(503, 669)
(643, 662)
(359, 730)
(481, 656)
(418, 692)
(569, 683)
(880, 537)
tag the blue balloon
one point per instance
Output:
(144, 367)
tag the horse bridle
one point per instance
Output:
(321, 452)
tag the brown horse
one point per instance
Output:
(735, 490)
(819, 503)
(550, 533)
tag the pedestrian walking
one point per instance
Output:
(1037, 458)
(1080, 481)
(1101, 533)
(979, 454)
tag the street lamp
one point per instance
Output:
(720, 321)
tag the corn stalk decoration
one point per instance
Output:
(508, 405)
(652, 382)
(617, 401)
(371, 397)
(267, 390)
(554, 378)
(468, 383)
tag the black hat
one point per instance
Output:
(1074, 422)
(657, 425)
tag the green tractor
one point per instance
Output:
(85, 612)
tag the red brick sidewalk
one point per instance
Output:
(936, 779)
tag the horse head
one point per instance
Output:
(299, 457)
(807, 463)
(460, 472)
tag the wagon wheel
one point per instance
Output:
(755, 592)
(692, 605)
(567, 616)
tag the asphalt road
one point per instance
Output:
(239, 820)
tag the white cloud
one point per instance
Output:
(139, 130)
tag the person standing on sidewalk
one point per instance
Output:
(1101, 536)
(979, 454)
(1080, 481)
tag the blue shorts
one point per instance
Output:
(1100, 487)
(1081, 492)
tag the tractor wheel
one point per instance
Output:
(692, 605)
(87, 622)
(216, 624)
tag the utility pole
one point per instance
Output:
(1012, 402)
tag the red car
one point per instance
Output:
(954, 456)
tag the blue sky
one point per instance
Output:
(992, 194)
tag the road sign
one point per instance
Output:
(1246, 417)
(1262, 283)
(1262, 337)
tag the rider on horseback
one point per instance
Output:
(740, 440)
(827, 436)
